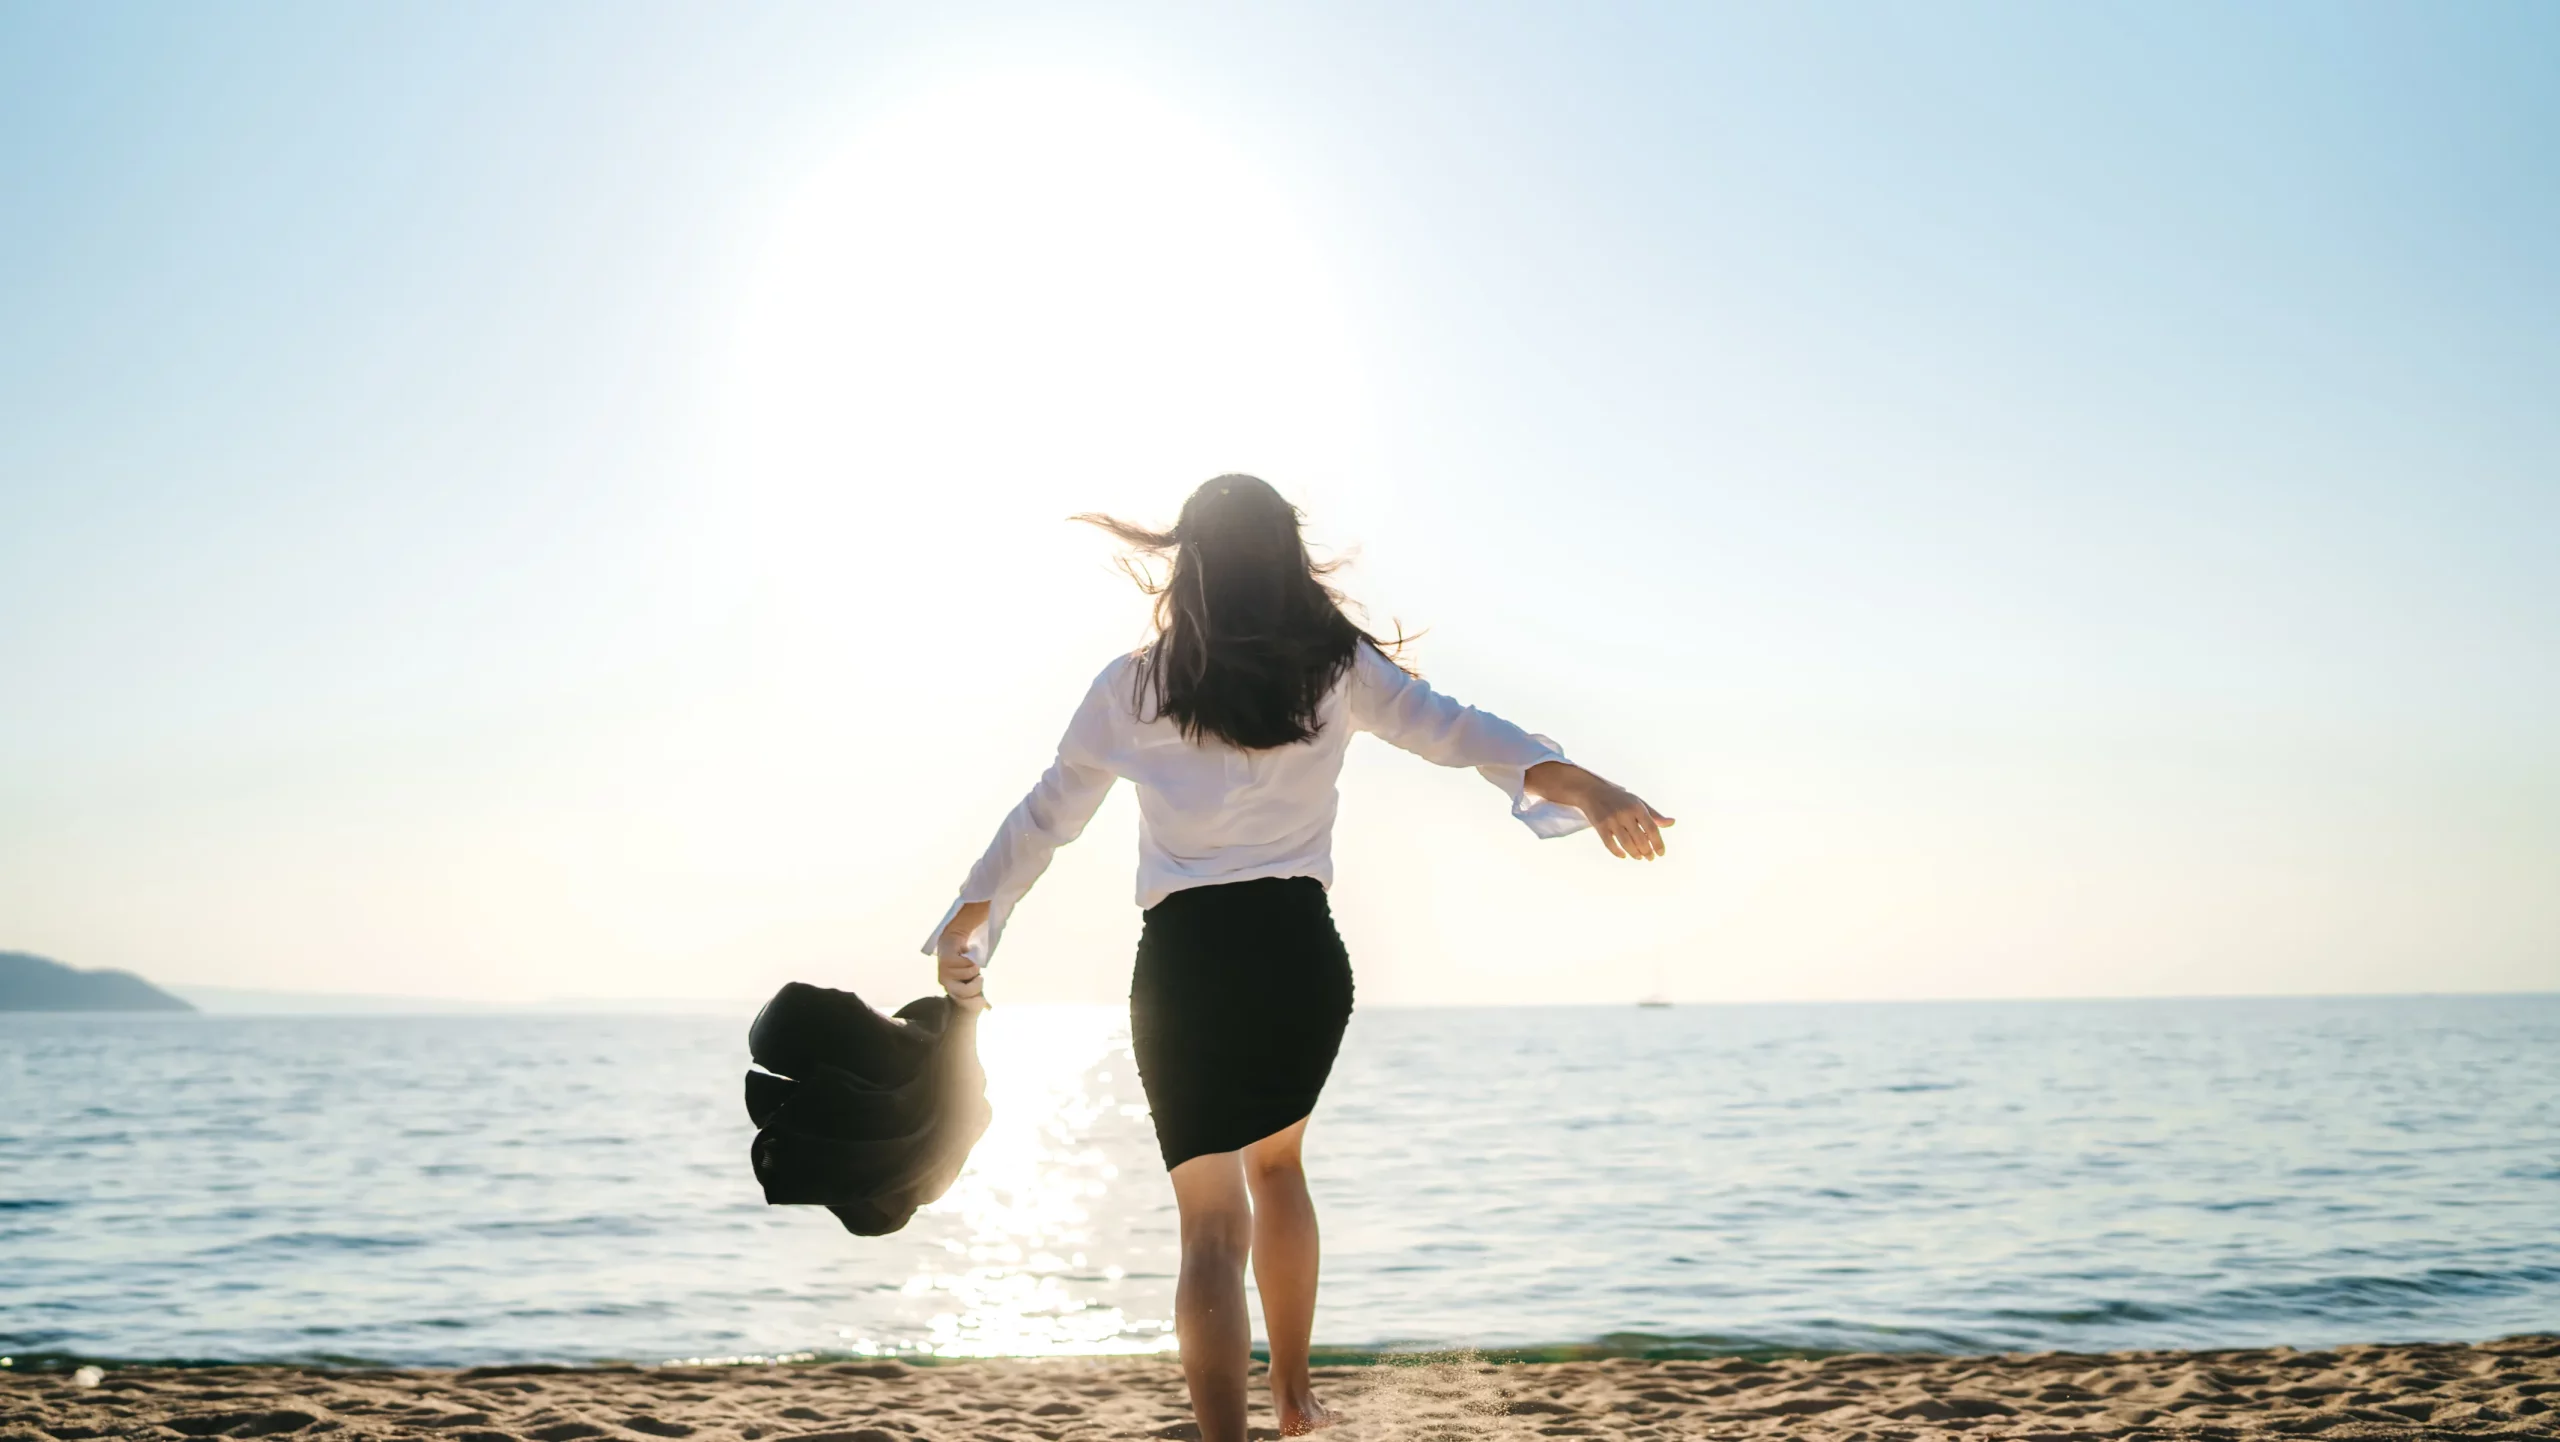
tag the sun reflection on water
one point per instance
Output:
(1026, 1271)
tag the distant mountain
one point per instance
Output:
(32, 983)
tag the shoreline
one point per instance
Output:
(1637, 1347)
(2504, 1388)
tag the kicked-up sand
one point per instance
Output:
(2509, 1388)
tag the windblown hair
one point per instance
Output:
(1249, 637)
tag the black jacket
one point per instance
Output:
(868, 1116)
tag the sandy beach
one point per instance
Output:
(2508, 1388)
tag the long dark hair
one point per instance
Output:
(1249, 637)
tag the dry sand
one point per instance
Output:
(2497, 1389)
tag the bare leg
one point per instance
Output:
(1284, 1265)
(1208, 1302)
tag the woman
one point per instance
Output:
(1232, 722)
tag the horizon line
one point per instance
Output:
(219, 1000)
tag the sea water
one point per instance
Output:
(1945, 1177)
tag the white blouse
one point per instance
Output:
(1210, 813)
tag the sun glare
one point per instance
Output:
(1028, 1270)
(1017, 299)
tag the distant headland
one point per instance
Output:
(34, 983)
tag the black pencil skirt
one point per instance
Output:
(1236, 1010)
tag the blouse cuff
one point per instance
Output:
(1547, 819)
(981, 945)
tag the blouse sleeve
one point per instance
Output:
(1055, 813)
(1402, 709)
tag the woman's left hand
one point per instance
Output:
(1627, 826)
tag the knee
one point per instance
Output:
(1278, 1169)
(1218, 1242)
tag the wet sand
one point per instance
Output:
(2508, 1388)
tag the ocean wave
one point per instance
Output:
(315, 1242)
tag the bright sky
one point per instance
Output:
(513, 502)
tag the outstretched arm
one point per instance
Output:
(1550, 794)
(1054, 814)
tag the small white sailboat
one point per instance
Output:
(1656, 997)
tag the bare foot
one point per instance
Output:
(1301, 1417)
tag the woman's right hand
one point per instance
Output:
(961, 978)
